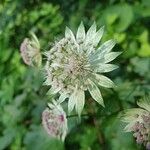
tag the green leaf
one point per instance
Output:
(144, 51)
(141, 66)
(113, 132)
(37, 139)
(111, 18)
(7, 138)
(95, 92)
(123, 16)
(124, 10)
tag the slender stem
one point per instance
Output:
(100, 135)
(91, 115)
(83, 115)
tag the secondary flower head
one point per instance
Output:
(30, 51)
(138, 122)
(76, 63)
(54, 121)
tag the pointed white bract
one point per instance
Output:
(76, 63)
(95, 92)
(80, 33)
(54, 121)
(30, 51)
(138, 122)
(80, 100)
(72, 101)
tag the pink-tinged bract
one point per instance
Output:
(30, 51)
(54, 121)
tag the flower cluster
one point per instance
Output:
(54, 121)
(76, 63)
(30, 51)
(138, 122)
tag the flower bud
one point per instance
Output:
(138, 120)
(54, 121)
(79, 59)
(30, 51)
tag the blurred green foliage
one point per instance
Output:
(22, 96)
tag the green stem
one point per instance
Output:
(83, 115)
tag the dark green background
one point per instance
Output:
(22, 96)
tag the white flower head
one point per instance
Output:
(30, 51)
(54, 121)
(138, 122)
(76, 63)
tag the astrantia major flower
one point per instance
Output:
(54, 121)
(138, 122)
(76, 63)
(30, 51)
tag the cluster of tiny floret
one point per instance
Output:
(142, 130)
(73, 65)
(66, 67)
(54, 121)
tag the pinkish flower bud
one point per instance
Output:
(54, 121)
(30, 51)
(138, 122)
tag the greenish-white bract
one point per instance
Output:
(76, 63)
(138, 122)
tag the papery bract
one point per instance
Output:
(30, 51)
(138, 122)
(54, 121)
(76, 63)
